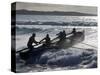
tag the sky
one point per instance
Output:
(56, 7)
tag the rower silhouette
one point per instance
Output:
(61, 35)
(47, 41)
(31, 41)
(73, 31)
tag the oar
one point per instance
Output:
(54, 39)
(21, 50)
(25, 48)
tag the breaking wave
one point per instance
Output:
(63, 59)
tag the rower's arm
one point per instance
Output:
(35, 41)
(42, 40)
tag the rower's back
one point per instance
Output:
(47, 40)
(74, 31)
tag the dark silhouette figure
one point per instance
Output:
(62, 35)
(73, 31)
(31, 41)
(59, 33)
(47, 41)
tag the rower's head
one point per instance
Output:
(47, 35)
(74, 29)
(33, 35)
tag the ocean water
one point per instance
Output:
(57, 20)
(80, 56)
(50, 18)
